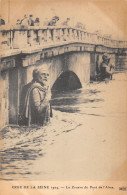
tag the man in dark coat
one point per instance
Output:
(53, 21)
(35, 101)
(2, 21)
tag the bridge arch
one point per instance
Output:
(67, 80)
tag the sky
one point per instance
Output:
(109, 17)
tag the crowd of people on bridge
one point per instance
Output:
(30, 20)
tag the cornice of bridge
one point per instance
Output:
(62, 46)
(37, 56)
(7, 28)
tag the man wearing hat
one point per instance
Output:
(105, 69)
(53, 21)
(31, 21)
(35, 101)
(25, 21)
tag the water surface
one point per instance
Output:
(86, 120)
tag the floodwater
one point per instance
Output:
(85, 140)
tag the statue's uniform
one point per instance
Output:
(105, 71)
(35, 106)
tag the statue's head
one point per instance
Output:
(41, 75)
(31, 16)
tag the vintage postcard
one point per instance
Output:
(63, 97)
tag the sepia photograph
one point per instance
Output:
(63, 97)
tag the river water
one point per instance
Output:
(85, 140)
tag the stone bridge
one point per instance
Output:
(69, 53)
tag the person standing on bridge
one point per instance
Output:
(35, 101)
(30, 20)
(2, 21)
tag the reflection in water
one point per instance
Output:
(23, 146)
(72, 101)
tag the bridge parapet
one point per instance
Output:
(22, 40)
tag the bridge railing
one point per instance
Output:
(26, 38)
